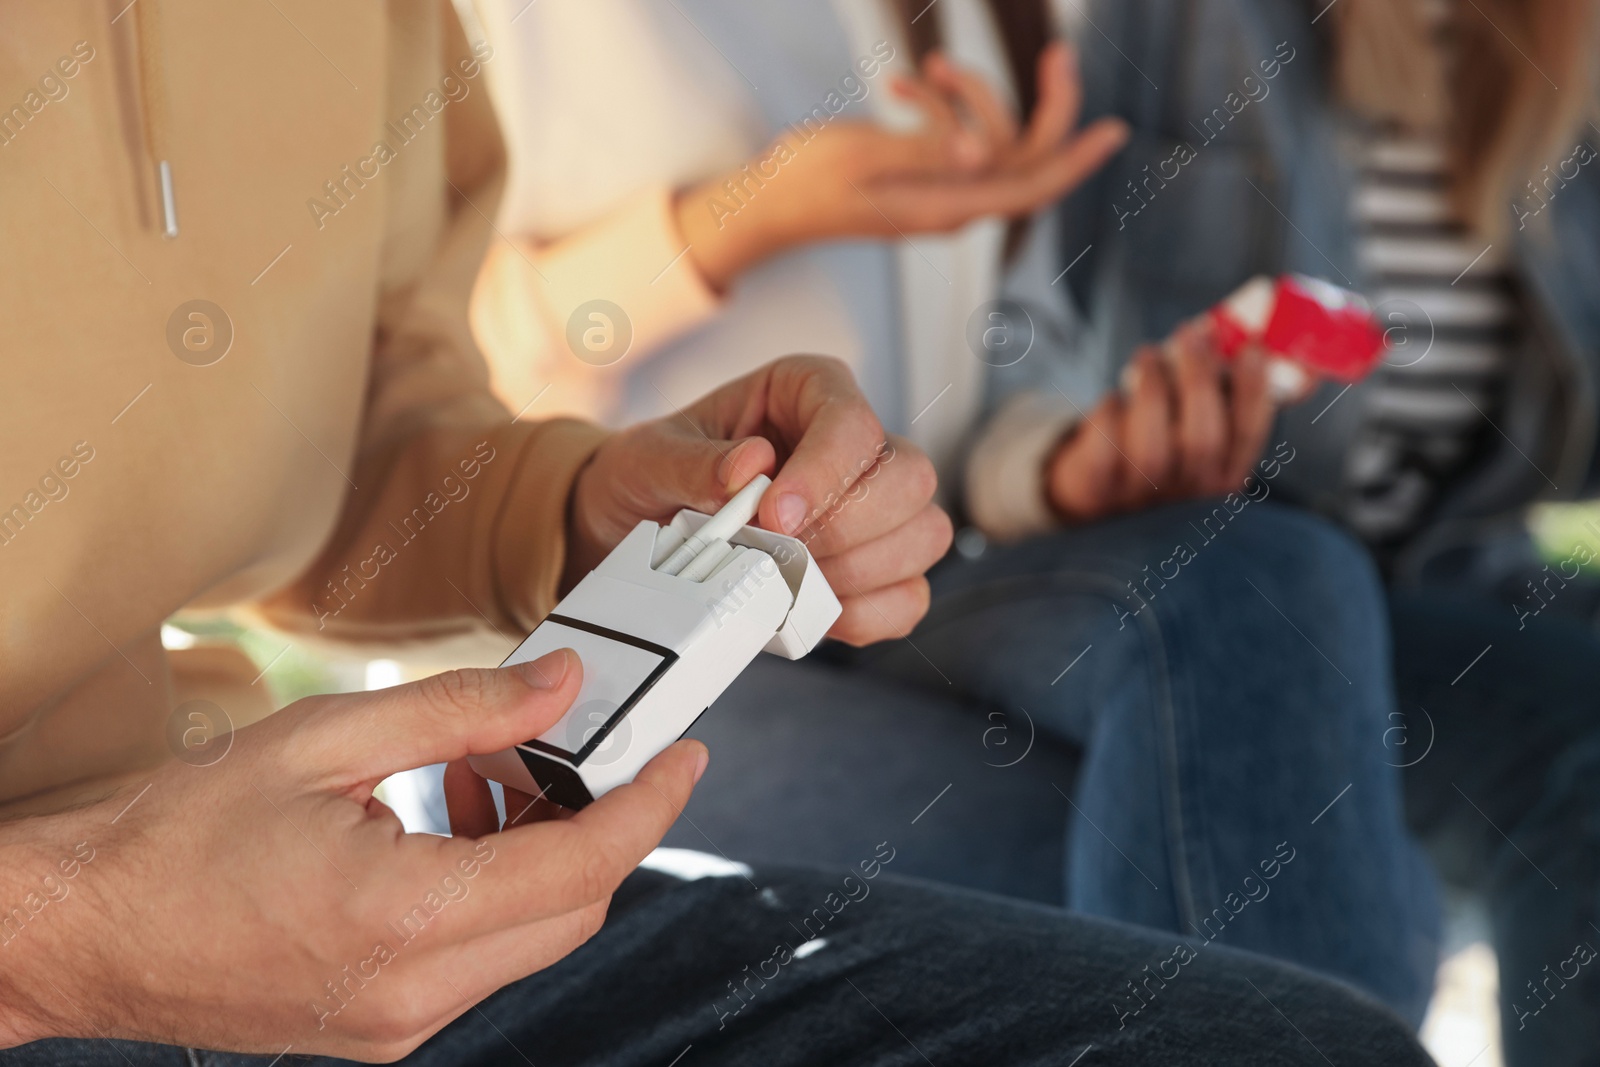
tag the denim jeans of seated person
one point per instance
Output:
(1202, 753)
(720, 971)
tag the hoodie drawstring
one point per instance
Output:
(153, 107)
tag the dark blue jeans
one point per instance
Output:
(690, 975)
(1041, 734)
(1501, 726)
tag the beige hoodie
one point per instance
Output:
(317, 438)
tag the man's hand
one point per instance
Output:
(270, 900)
(1186, 428)
(968, 160)
(863, 503)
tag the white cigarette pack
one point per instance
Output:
(657, 650)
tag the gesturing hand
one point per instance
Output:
(270, 899)
(968, 160)
(862, 502)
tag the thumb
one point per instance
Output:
(697, 472)
(368, 736)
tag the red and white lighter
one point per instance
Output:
(1310, 329)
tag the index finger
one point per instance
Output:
(900, 481)
(832, 435)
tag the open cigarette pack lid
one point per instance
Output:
(658, 648)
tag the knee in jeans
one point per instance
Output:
(1295, 556)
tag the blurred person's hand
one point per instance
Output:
(1187, 426)
(269, 899)
(862, 502)
(969, 159)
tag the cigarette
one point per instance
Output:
(724, 524)
(699, 568)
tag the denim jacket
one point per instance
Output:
(1260, 186)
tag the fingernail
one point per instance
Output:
(548, 670)
(700, 763)
(791, 512)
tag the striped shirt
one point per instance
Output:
(1445, 298)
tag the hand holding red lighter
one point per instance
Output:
(1197, 425)
(1309, 328)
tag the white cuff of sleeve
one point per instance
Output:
(1005, 476)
